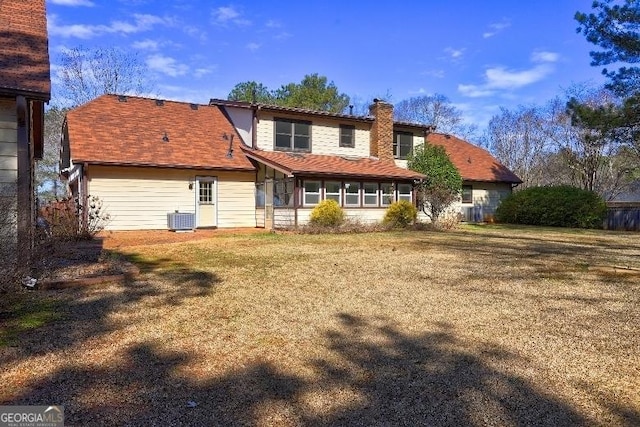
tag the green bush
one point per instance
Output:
(556, 206)
(327, 213)
(400, 214)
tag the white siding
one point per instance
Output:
(8, 176)
(242, 120)
(363, 215)
(325, 136)
(284, 218)
(8, 142)
(486, 198)
(140, 198)
(236, 199)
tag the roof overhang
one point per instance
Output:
(160, 166)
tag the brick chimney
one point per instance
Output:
(381, 136)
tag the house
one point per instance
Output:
(485, 181)
(145, 158)
(358, 161)
(237, 164)
(25, 87)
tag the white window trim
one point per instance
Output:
(365, 194)
(305, 192)
(339, 193)
(346, 194)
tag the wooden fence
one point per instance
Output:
(623, 216)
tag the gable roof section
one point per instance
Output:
(24, 49)
(473, 163)
(117, 130)
(337, 166)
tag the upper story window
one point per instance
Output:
(347, 136)
(292, 135)
(402, 144)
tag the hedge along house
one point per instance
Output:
(304, 156)
(25, 87)
(146, 158)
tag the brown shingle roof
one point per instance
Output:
(323, 165)
(24, 49)
(110, 131)
(473, 163)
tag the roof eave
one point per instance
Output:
(163, 166)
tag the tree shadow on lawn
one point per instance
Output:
(550, 259)
(83, 313)
(371, 373)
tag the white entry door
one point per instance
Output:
(206, 198)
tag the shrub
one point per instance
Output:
(556, 206)
(69, 220)
(400, 214)
(327, 213)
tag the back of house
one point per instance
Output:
(25, 87)
(239, 164)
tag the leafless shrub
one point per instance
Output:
(69, 220)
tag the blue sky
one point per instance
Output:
(482, 55)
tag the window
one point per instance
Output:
(260, 196)
(292, 135)
(283, 192)
(370, 194)
(467, 194)
(404, 192)
(311, 192)
(347, 136)
(206, 192)
(352, 194)
(388, 195)
(333, 191)
(402, 144)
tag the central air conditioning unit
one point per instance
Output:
(181, 221)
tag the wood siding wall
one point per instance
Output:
(623, 216)
(140, 198)
(8, 174)
(325, 136)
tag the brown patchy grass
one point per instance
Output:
(479, 326)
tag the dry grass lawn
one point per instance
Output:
(479, 326)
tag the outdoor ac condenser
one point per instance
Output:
(181, 221)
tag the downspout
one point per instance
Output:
(85, 194)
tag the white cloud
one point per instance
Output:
(142, 22)
(146, 44)
(542, 56)
(282, 36)
(496, 28)
(253, 46)
(437, 73)
(272, 24)
(166, 65)
(502, 79)
(199, 72)
(454, 53)
(72, 2)
(225, 15)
